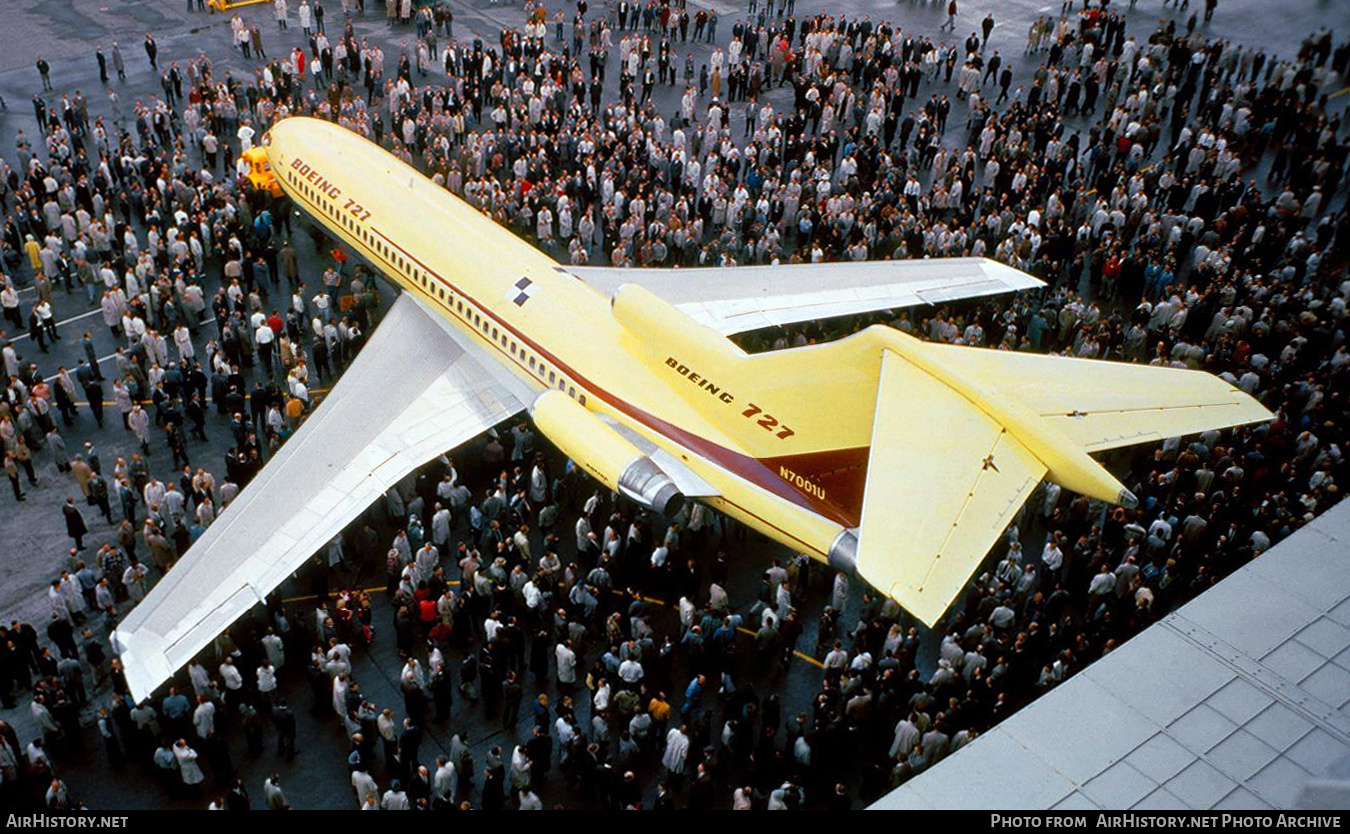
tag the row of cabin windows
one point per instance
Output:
(348, 222)
(451, 302)
(538, 366)
(519, 351)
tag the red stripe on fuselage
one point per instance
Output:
(744, 466)
(750, 469)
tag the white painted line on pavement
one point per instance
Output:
(101, 360)
(20, 337)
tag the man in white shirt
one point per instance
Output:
(1052, 557)
(265, 338)
(204, 717)
(245, 134)
(321, 306)
(1102, 584)
(366, 789)
(229, 675)
(631, 673)
(567, 665)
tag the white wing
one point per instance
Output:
(738, 299)
(417, 390)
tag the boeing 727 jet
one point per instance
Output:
(896, 460)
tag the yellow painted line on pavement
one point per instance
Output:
(381, 588)
(742, 630)
(807, 658)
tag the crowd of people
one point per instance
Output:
(1174, 191)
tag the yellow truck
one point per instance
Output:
(260, 174)
(225, 5)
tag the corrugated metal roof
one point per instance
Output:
(1238, 700)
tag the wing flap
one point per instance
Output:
(413, 393)
(935, 501)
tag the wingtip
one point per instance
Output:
(1011, 275)
(924, 607)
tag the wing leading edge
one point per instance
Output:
(738, 299)
(417, 390)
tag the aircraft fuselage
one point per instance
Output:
(550, 328)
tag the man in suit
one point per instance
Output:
(284, 719)
(89, 379)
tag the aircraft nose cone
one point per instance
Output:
(1127, 499)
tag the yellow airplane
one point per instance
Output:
(894, 459)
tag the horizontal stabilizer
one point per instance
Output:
(943, 482)
(1105, 405)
